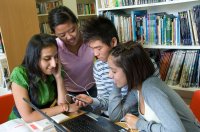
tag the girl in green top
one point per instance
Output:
(39, 80)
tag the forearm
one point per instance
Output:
(117, 109)
(34, 115)
(100, 103)
(61, 91)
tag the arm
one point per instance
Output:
(160, 104)
(117, 109)
(20, 90)
(25, 110)
(104, 85)
(62, 98)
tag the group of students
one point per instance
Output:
(123, 81)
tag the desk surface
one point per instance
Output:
(20, 125)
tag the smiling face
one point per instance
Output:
(116, 73)
(68, 33)
(48, 59)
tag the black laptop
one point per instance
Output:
(88, 122)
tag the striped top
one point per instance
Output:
(105, 84)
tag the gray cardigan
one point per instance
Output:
(174, 114)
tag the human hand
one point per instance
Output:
(87, 100)
(73, 107)
(131, 121)
(57, 70)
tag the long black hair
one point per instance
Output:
(134, 61)
(31, 61)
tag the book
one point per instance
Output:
(46, 124)
(4, 71)
(15, 125)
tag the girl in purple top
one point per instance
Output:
(76, 57)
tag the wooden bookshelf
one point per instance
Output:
(18, 21)
(43, 7)
(169, 7)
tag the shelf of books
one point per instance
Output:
(171, 27)
(105, 5)
(85, 9)
(43, 7)
(4, 69)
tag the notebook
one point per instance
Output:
(45, 124)
(88, 122)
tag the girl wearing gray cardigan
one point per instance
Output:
(160, 108)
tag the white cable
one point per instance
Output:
(78, 84)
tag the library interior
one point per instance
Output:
(75, 63)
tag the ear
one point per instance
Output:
(114, 42)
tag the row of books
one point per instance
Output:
(1, 44)
(45, 7)
(88, 8)
(123, 24)
(158, 28)
(118, 3)
(181, 67)
(44, 28)
(4, 70)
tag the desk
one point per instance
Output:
(122, 124)
(18, 125)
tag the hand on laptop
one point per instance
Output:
(83, 100)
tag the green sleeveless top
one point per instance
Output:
(47, 89)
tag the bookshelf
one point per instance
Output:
(18, 21)
(125, 16)
(72, 4)
(43, 7)
(4, 69)
(85, 9)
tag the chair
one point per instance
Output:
(6, 104)
(195, 104)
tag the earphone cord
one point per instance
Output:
(77, 84)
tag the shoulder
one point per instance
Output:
(60, 44)
(153, 86)
(19, 70)
(19, 76)
(101, 66)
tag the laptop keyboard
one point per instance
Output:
(83, 123)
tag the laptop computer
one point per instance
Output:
(88, 122)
